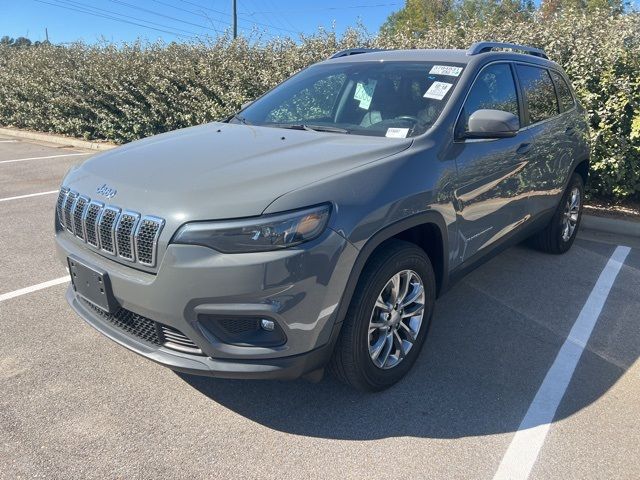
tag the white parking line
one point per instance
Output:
(33, 288)
(42, 158)
(8, 141)
(528, 440)
(6, 199)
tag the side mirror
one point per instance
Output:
(487, 123)
(246, 104)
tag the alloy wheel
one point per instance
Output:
(396, 319)
(571, 214)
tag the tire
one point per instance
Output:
(353, 359)
(554, 239)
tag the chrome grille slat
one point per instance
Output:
(78, 216)
(174, 336)
(146, 239)
(67, 213)
(185, 344)
(62, 197)
(122, 233)
(107, 228)
(125, 229)
(91, 217)
(183, 341)
(177, 340)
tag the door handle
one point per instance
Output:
(570, 131)
(524, 148)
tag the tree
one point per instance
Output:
(22, 42)
(7, 41)
(417, 15)
(551, 7)
(494, 11)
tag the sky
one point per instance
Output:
(176, 20)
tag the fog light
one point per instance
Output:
(267, 325)
(244, 331)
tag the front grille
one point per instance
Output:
(62, 197)
(107, 229)
(78, 215)
(126, 234)
(67, 212)
(146, 238)
(146, 330)
(91, 217)
(131, 323)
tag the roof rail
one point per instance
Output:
(482, 47)
(354, 51)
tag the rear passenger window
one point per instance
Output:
(539, 94)
(494, 89)
(565, 99)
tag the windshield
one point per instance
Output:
(393, 99)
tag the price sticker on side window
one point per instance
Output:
(437, 90)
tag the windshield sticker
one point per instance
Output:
(445, 70)
(364, 93)
(397, 132)
(438, 90)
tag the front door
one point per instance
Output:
(491, 198)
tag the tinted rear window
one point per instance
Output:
(539, 93)
(564, 92)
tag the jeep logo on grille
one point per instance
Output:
(106, 191)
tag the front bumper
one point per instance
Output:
(281, 368)
(298, 288)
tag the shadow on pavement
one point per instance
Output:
(493, 338)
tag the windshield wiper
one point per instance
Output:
(312, 128)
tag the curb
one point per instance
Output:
(611, 225)
(57, 139)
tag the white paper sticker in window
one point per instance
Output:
(438, 90)
(445, 70)
(364, 93)
(397, 132)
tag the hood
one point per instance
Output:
(220, 170)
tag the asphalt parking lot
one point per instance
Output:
(73, 404)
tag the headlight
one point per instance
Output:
(260, 234)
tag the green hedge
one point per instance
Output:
(125, 92)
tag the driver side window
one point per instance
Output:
(494, 89)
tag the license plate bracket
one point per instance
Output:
(92, 284)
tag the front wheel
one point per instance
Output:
(560, 233)
(388, 318)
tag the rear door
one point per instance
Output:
(546, 172)
(490, 198)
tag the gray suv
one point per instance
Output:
(318, 225)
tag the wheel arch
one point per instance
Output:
(582, 169)
(427, 230)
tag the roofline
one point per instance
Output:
(475, 49)
(483, 47)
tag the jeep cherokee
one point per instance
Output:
(319, 224)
